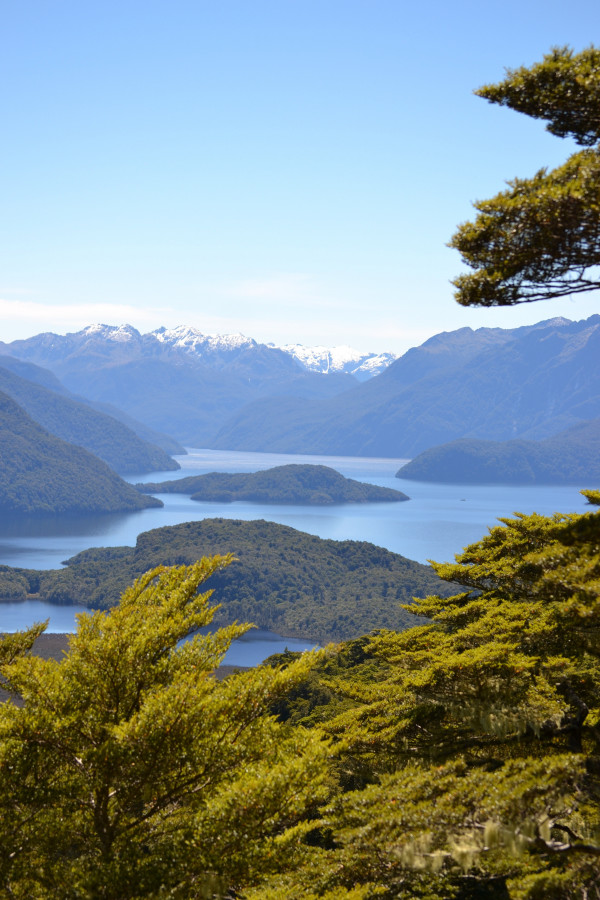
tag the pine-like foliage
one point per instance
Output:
(480, 737)
(541, 238)
(128, 770)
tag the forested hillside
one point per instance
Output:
(42, 474)
(571, 457)
(282, 579)
(76, 423)
(297, 484)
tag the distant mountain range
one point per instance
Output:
(42, 474)
(339, 359)
(230, 392)
(177, 381)
(493, 383)
(185, 344)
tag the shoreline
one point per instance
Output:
(55, 645)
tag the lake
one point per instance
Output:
(436, 523)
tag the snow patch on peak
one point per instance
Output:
(230, 341)
(188, 338)
(119, 333)
(339, 359)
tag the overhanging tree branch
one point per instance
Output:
(540, 239)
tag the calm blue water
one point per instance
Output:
(249, 650)
(435, 524)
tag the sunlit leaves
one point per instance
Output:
(538, 240)
(480, 739)
(563, 90)
(132, 771)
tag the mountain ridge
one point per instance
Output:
(60, 413)
(195, 346)
(528, 382)
(159, 380)
(42, 474)
(489, 383)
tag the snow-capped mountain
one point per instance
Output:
(189, 339)
(117, 333)
(122, 343)
(179, 380)
(182, 339)
(339, 359)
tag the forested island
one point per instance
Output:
(282, 579)
(297, 484)
(43, 474)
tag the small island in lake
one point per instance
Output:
(296, 484)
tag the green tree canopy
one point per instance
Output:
(478, 732)
(540, 239)
(128, 770)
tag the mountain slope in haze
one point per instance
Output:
(296, 484)
(570, 457)
(282, 579)
(40, 473)
(177, 381)
(77, 423)
(157, 438)
(45, 378)
(492, 383)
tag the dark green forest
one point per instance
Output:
(458, 759)
(297, 484)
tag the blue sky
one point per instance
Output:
(291, 170)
